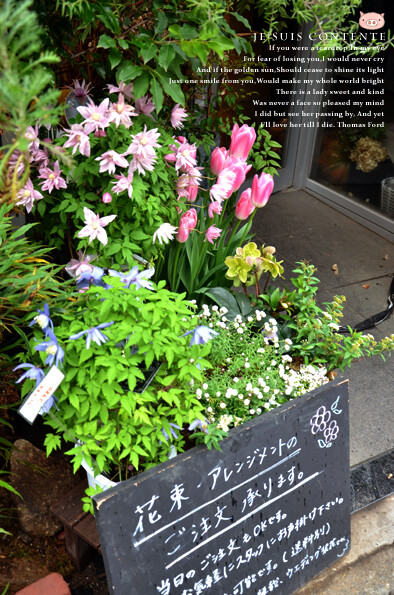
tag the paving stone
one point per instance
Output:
(53, 584)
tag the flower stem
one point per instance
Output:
(234, 231)
(257, 284)
(247, 227)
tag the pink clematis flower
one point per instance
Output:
(218, 159)
(123, 183)
(164, 233)
(120, 112)
(178, 114)
(144, 105)
(78, 139)
(52, 178)
(127, 90)
(141, 163)
(212, 233)
(242, 140)
(261, 189)
(144, 142)
(214, 207)
(109, 160)
(185, 157)
(14, 160)
(40, 157)
(94, 227)
(32, 135)
(81, 90)
(107, 198)
(95, 116)
(187, 184)
(76, 267)
(244, 207)
(28, 195)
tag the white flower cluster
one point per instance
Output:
(306, 379)
(216, 317)
(225, 421)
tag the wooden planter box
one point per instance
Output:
(265, 514)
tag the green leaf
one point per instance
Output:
(74, 400)
(174, 91)
(161, 24)
(201, 51)
(220, 45)
(7, 486)
(127, 72)
(109, 19)
(175, 31)
(141, 85)
(157, 93)
(84, 355)
(114, 57)
(148, 51)
(106, 42)
(209, 31)
(166, 55)
(241, 19)
(123, 44)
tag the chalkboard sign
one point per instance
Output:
(264, 515)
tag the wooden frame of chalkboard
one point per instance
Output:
(267, 513)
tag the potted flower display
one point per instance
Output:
(149, 371)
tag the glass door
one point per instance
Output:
(352, 149)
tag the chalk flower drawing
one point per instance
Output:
(331, 432)
(322, 422)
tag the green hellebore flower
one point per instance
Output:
(251, 250)
(237, 269)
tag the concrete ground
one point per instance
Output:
(368, 568)
(304, 228)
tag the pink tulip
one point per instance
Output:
(187, 223)
(218, 159)
(242, 140)
(240, 168)
(191, 193)
(261, 189)
(244, 207)
(107, 197)
(182, 235)
(212, 233)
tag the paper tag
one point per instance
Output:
(31, 406)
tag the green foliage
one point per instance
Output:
(264, 155)
(26, 277)
(25, 87)
(98, 403)
(147, 44)
(315, 330)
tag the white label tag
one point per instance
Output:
(31, 406)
